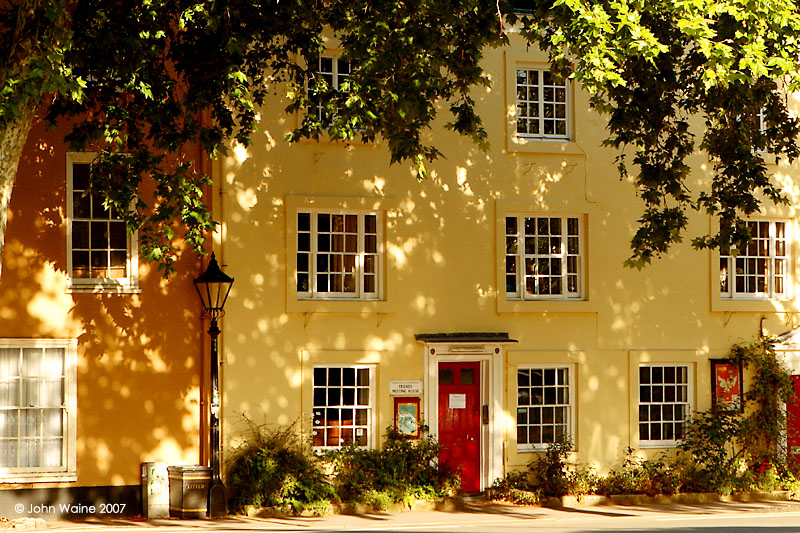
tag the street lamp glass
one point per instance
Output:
(213, 286)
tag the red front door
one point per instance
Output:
(793, 419)
(460, 420)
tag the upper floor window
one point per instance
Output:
(339, 255)
(542, 105)
(664, 403)
(543, 257)
(544, 406)
(761, 269)
(333, 71)
(343, 399)
(100, 251)
(37, 403)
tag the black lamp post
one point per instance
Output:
(213, 286)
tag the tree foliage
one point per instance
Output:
(147, 83)
(151, 81)
(651, 66)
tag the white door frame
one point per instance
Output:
(490, 355)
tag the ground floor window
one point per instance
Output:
(37, 392)
(664, 403)
(343, 403)
(544, 406)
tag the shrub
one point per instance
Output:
(712, 440)
(553, 476)
(404, 469)
(515, 488)
(643, 476)
(276, 467)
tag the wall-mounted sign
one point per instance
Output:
(726, 384)
(411, 387)
(406, 416)
(457, 401)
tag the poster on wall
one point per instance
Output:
(726, 384)
(406, 417)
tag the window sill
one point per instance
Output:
(730, 305)
(518, 144)
(100, 288)
(39, 477)
(545, 306)
(340, 306)
(527, 448)
(649, 445)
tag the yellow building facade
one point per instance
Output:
(492, 292)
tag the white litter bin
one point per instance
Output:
(155, 490)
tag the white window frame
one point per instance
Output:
(128, 284)
(336, 74)
(360, 293)
(687, 404)
(570, 406)
(728, 266)
(541, 105)
(68, 470)
(761, 120)
(370, 425)
(564, 254)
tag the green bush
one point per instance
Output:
(403, 469)
(643, 476)
(276, 467)
(553, 476)
(515, 488)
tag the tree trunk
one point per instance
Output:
(12, 141)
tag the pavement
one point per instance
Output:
(473, 516)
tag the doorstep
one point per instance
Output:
(448, 504)
(589, 500)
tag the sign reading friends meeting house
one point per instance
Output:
(405, 387)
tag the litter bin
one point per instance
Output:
(188, 491)
(155, 490)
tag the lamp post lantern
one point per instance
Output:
(213, 286)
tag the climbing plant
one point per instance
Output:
(764, 419)
(720, 440)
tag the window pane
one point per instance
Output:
(80, 175)
(99, 210)
(54, 393)
(118, 267)
(445, 376)
(119, 235)
(30, 422)
(81, 205)
(99, 266)
(52, 452)
(320, 376)
(324, 223)
(303, 222)
(53, 422)
(363, 396)
(9, 423)
(9, 453)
